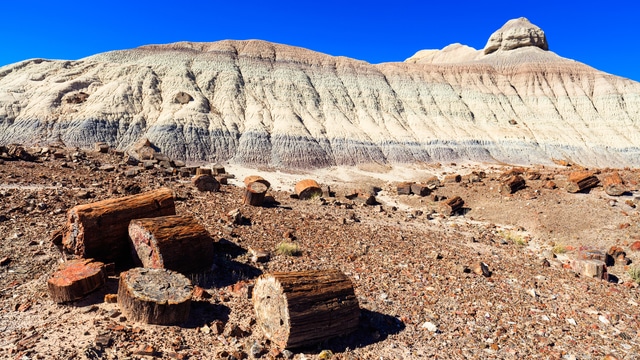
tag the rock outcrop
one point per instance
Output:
(259, 103)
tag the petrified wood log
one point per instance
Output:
(177, 243)
(432, 182)
(254, 194)
(203, 171)
(99, 230)
(451, 206)
(452, 178)
(306, 307)
(613, 184)
(420, 189)
(206, 183)
(580, 181)
(404, 188)
(307, 189)
(155, 296)
(512, 184)
(75, 279)
(255, 178)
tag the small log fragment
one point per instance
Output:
(451, 206)
(177, 243)
(404, 188)
(420, 189)
(304, 308)
(432, 182)
(155, 296)
(452, 178)
(206, 183)
(102, 147)
(613, 184)
(99, 230)
(75, 279)
(203, 171)
(255, 178)
(254, 194)
(512, 184)
(307, 189)
(581, 181)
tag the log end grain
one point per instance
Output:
(155, 296)
(308, 189)
(255, 193)
(256, 178)
(75, 279)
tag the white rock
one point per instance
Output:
(430, 326)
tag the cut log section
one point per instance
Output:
(99, 230)
(255, 178)
(203, 171)
(613, 184)
(255, 193)
(420, 189)
(451, 206)
(512, 184)
(75, 279)
(307, 189)
(304, 308)
(206, 183)
(432, 183)
(177, 243)
(155, 296)
(581, 181)
(404, 188)
(452, 178)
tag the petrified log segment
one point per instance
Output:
(420, 189)
(255, 193)
(452, 178)
(404, 188)
(99, 230)
(613, 184)
(75, 279)
(512, 184)
(255, 178)
(175, 242)
(308, 188)
(432, 183)
(304, 308)
(203, 171)
(206, 183)
(155, 296)
(451, 206)
(580, 181)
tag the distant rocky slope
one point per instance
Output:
(259, 103)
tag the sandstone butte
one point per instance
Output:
(259, 103)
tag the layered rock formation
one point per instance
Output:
(260, 103)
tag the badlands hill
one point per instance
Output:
(259, 103)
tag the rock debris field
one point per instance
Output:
(537, 273)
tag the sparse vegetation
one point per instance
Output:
(516, 239)
(634, 272)
(288, 248)
(559, 248)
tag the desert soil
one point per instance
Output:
(412, 268)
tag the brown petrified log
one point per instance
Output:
(451, 206)
(512, 184)
(255, 193)
(99, 230)
(175, 242)
(580, 181)
(452, 178)
(420, 189)
(255, 178)
(203, 171)
(75, 279)
(206, 183)
(613, 184)
(155, 296)
(404, 188)
(432, 183)
(307, 189)
(307, 307)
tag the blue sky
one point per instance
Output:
(601, 34)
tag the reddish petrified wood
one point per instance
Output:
(307, 189)
(175, 242)
(155, 296)
(512, 184)
(404, 188)
(75, 279)
(613, 184)
(304, 308)
(206, 183)
(420, 189)
(255, 178)
(255, 193)
(451, 206)
(580, 181)
(99, 230)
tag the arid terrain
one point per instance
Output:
(413, 269)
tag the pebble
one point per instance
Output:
(430, 326)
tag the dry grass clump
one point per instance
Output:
(288, 248)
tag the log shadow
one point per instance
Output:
(229, 272)
(203, 313)
(97, 297)
(373, 327)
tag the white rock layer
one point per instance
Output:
(259, 103)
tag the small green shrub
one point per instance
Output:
(288, 248)
(559, 248)
(634, 272)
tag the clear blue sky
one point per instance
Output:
(603, 34)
